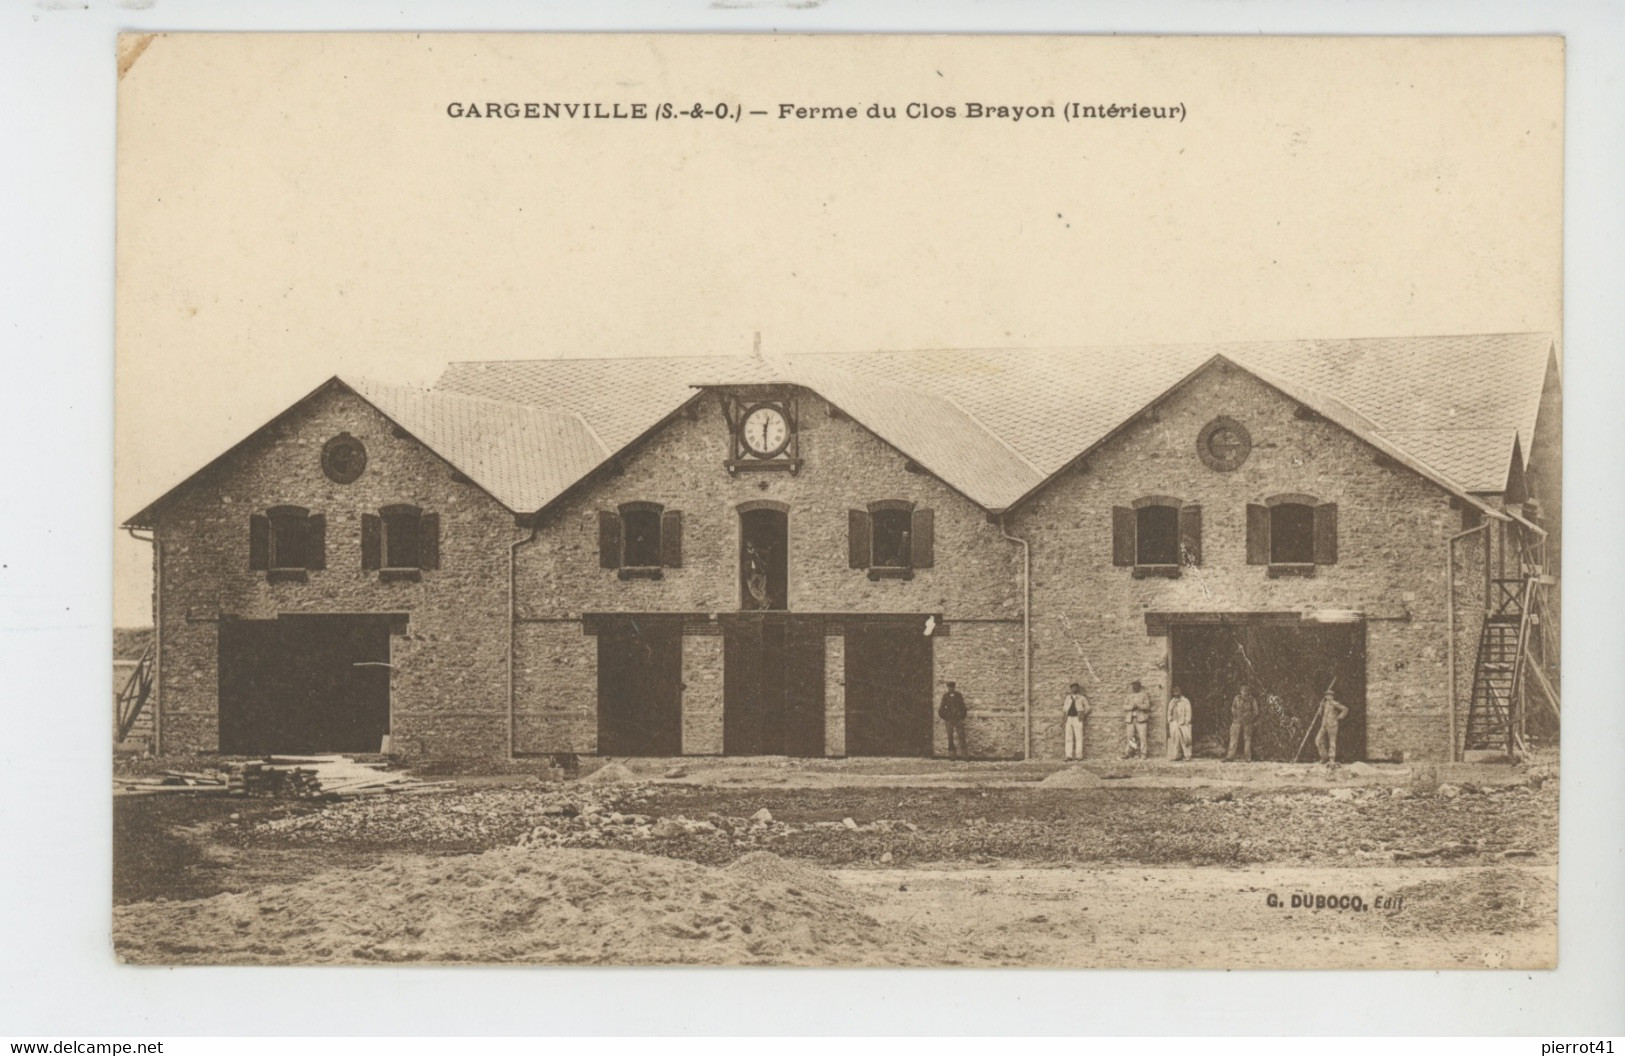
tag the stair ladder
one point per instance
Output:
(1492, 717)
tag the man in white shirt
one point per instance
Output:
(1075, 706)
(1179, 727)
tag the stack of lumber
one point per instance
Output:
(336, 775)
(281, 777)
(173, 781)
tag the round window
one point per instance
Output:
(343, 459)
(1224, 444)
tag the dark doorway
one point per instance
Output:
(640, 685)
(304, 684)
(764, 560)
(888, 688)
(773, 686)
(1288, 667)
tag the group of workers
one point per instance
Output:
(1137, 710)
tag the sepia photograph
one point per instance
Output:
(838, 501)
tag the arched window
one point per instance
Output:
(640, 539)
(1157, 535)
(1292, 533)
(891, 539)
(287, 541)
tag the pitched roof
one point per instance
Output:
(523, 455)
(620, 399)
(1050, 404)
(994, 423)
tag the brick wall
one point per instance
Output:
(448, 691)
(1089, 616)
(975, 574)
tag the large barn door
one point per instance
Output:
(773, 686)
(640, 675)
(888, 689)
(304, 684)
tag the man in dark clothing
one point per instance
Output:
(1243, 714)
(953, 713)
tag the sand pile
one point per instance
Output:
(1486, 900)
(553, 906)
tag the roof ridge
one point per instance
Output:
(968, 413)
(597, 359)
(1224, 343)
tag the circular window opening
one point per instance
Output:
(1224, 444)
(343, 459)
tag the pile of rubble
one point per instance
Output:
(591, 824)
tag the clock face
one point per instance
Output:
(764, 431)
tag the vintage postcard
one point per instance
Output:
(851, 500)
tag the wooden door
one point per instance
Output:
(640, 673)
(888, 689)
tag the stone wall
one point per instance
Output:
(975, 574)
(448, 690)
(1089, 615)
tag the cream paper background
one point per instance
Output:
(294, 206)
(59, 976)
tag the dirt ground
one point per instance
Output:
(1028, 865)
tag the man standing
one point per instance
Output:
(1137, 721)
(1243, 713)
(953, 713)
(1179, 727)
(1075, 706)
(1332, 712)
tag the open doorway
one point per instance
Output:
(1288, 666)
(764, 555)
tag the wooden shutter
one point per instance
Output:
(372, 542)
(429, 541)
(609, 539)
(259, 542)
(857, 538)
(1258, 534)
(316, 542)
(671, 538)
(922, 539)
(1326, 534)
(1122, 535)
(1190, 535)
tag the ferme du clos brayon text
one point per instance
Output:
(591, 110)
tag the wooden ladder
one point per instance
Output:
(129, 702)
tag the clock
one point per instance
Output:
(764, 430)
(1224, 444)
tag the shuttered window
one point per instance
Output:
(1292, 534)
(285, 540)
(400, 541)
(640, 539)
(891, 538)
(1157, 535)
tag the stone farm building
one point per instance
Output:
(732, 555)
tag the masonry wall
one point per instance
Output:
(448, 689)
(1089, 616)
(974, 584)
